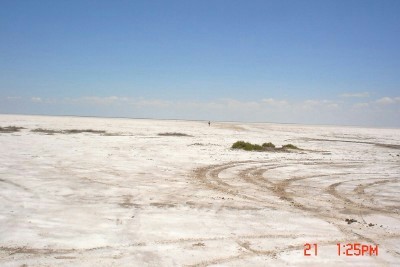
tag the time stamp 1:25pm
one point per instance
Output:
(345, 249)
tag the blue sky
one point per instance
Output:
(324, 62)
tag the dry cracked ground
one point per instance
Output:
(122, 192)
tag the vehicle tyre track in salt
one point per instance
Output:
(255, 179)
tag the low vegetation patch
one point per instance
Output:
(174, 134)
(10, 129)
(290, 146)
(117, 134)
(268, 145)
(46, 131)
(75, 131)
(264, 147)
(247, 146)
(70, 131)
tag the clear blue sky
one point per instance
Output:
(329, 62)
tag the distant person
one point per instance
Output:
(209, 123)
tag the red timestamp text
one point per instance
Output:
(347, 249)
(357, 249)
(310, 249)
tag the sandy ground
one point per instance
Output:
(131, 197)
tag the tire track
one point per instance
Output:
(255, 182)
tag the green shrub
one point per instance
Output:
(247, 146)
(264, 147)
(268, 145)
(290, 146)
(241, 145)
(257, 147)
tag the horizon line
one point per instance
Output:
(205, 120)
